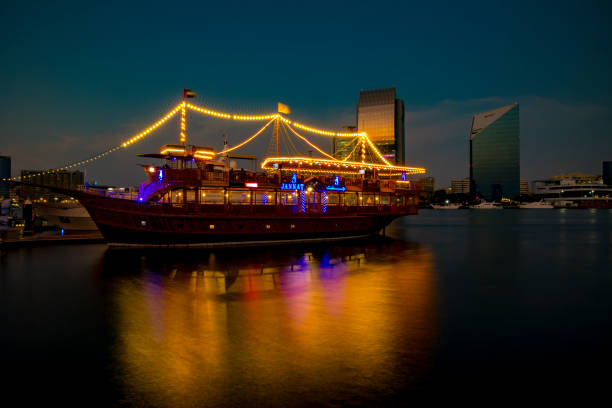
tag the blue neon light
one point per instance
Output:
(161, 174)
(324, 202)
(292, 186)
(403, 176)
(336, 186)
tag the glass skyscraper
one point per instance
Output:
(381, 115)
(5, 172)
(495, 154)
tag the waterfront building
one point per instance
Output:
(427, 188)
(525, 187)
(460, 186)
(573, 189)
(381, 115)
(495, 154)
(5, 172)
(606, 172)
(64, 179)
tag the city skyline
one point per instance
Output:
(52, 112)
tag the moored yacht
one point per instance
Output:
(485, 205)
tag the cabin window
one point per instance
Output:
(240, 197)
(333, 199)
(143, 223)
(292, 226)
(288, 198)
(384, 199)
(211, 226)
(211, 196)
(264, 197)
(350, 199)
(368, 199)
(177, 197)
(191, 196)
(267, 226)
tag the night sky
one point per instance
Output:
(77, 78)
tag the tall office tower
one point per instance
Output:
(342, 146)
(495, 154)
(606, 173)
(381, 115)
(5, 172)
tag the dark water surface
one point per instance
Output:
(452, 303)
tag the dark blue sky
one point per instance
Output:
(78, 77)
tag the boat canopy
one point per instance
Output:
(170, 151)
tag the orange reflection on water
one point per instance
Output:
(250, 328)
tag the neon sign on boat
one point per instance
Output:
(294, 185)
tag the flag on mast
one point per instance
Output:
(187, 93)
(282, 108)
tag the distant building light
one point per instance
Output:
(251, 185)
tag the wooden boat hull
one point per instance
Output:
(124, 222)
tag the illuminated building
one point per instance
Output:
(5, 172)
(427, 188)
(525, 187)
(571, 187)
(460, 186)
(381, 115)
(495, 154)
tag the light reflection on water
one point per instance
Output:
(355, 321)
(513, 302)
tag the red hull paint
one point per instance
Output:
(133, 223)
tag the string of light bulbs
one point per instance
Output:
(184, 105)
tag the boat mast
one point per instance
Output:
(182, 135)
(276, 126)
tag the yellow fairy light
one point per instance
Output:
(247, 140)
(325, 132)
(230, 116)
(378, 153)
(355, 165)
(312, 145)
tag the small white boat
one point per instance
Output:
(542, 205)
(69, 217)
(446, 206)
(486, 206)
